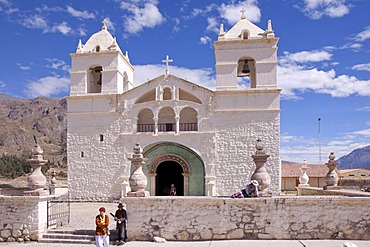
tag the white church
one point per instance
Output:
(198, 139)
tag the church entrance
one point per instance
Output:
(169, 172)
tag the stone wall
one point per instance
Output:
(210, 218)
(23, 218)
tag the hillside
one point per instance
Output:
(358, 158)
(21, 119)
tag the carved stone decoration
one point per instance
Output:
(260, 174)
(303, 179)
(37, 180)
(331, 177)
(138, 181)
(53, 183)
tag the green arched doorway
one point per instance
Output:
(167, 158)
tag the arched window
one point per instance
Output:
(97, 48)
(166, 120)
(145, 122)
(188, 119)
(95, 79)
(167, 93)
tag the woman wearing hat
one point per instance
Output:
(101, 232)
(251, 189)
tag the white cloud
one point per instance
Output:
(365, 132)
(80, 14)
(316, 9)
(213, 25)
(57, 64)
(2, 84)
(22, 67)
(363, 66)
(146, 15)
(364, 35)
(306, 56)
(62, 28)
(47, 86)
(231, 12)
(366, 108)
(35, 22)
(295, 79)
(204, 77)
(205, 40)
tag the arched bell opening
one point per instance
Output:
(95, 79)
(247, 70)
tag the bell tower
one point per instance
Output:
(99, 67)
(246, 51)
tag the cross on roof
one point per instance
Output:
(243, 13)
(105, 22)
(167, 61)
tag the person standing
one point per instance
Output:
(172, 190)
(102, 229)
(121, 217)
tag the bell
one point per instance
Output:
(246, 69)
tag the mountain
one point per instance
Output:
(358, 158)
(22, 119)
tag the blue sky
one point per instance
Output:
(324, 48)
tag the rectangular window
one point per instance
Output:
(101, 138)
(82, 154)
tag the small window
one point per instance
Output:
(82, 154)
(351, 175)
(97, 48)
(101, 138)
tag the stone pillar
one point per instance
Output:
(260, 174)
(125, 187)
(138, 180)
(210, 185)
(37, 180)
(331, 177)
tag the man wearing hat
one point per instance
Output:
(102, 231)
(251, 189)
(121, 217)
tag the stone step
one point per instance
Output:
(68, 236)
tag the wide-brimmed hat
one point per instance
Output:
(102, 209)
(120, 205)
(254, 182)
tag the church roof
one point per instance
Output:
(102, 39)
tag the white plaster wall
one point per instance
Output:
(206, 218)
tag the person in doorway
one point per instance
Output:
(102, 229)
(251, 189)
(172, 190)
(121, 217)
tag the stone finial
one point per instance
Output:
(128, 59)
(331, 177)
(114, 44)
(79, 47)
(303, 179)
(243, 13)
(138, 181)
(104, 27)
(222, 30)
(269, 32)
(259, 147)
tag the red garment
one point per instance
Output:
(101, 224)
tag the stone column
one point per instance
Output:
(331, 177)
(37, 180)
(260, 174)
(138, 180)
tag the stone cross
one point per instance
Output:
(167, 60)
(243, 13)
(105, 22)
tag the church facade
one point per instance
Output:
(198, 139)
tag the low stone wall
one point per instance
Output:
(339, 191)
(209, 218)
(23, 218)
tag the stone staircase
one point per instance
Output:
(68, 236)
